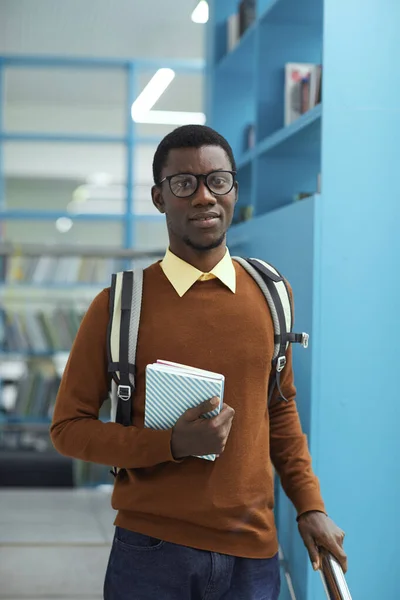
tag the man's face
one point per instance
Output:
(201, 220)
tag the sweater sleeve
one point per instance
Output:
(289, 449)
(76, 430)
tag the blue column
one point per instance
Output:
(130, 144)
(356, 413)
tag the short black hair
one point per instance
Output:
(188, 136)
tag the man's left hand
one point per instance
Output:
(319, 531)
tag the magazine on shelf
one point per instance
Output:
(302, 89)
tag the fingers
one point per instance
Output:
(312, 552)
(334, 545)
(225, 416)
(337, 551)
(194, 413)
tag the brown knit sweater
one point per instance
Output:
(224, 506)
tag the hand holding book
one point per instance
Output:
(179, 397)
(194, 436)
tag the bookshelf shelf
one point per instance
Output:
(75, 138)
(247, 157)
(49, 286)
(239, 59)
(20, 356)
(287, 134)
(49, 215)
(266, 7)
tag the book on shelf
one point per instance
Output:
(238, 22)
(59, 269)
(302, 89)
(172, 388)
(247, 15)
(232, 32)
(33, 392)
(39, 331)
(249, 137)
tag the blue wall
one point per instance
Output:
(355, 432)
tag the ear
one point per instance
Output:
(157, 198)
(236, 191)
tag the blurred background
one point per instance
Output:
(306, 93)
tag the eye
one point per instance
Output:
(219, 180)
(184, 183)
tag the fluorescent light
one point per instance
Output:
(171, 117)
(200, 13)
(152, 92)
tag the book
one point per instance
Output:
(247, 15)
(172, 388)
(232, 31)
(302, 89)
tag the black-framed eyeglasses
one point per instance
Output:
(183, 185)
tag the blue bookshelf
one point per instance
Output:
(247, 89)
(328, 246)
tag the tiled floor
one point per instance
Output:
(54, 545)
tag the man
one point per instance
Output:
(188, 528)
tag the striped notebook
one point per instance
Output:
(171, 389)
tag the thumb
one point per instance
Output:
(313, 552)
(197, 411)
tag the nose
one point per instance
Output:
(203, 196)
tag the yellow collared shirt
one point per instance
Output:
(182, 275)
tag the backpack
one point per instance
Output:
(123, 328)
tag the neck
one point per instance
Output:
(204, 261)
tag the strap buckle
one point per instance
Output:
(124, 392)
(280, 364)
(304, 339)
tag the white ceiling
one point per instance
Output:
(99, 28)
(114, 28)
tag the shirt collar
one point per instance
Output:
(182, 275)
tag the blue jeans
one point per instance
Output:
(145, 568)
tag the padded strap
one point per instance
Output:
(111, 315)
(270, 283)
(124, 409)
(264, 270)
(136, 305)
(265, 290)
(114, 367)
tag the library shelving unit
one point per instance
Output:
(246, 90)
(333, 246)
(45, 288)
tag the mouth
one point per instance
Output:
(205, 220)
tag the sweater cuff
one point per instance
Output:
(307, 501)
(153, 449)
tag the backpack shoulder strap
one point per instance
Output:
(276, 293)
(123, 327)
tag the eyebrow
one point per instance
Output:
(192, 173)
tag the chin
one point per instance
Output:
(208, 242)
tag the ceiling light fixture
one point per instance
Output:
(171, 117)
(200, 13)
(151, 93)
